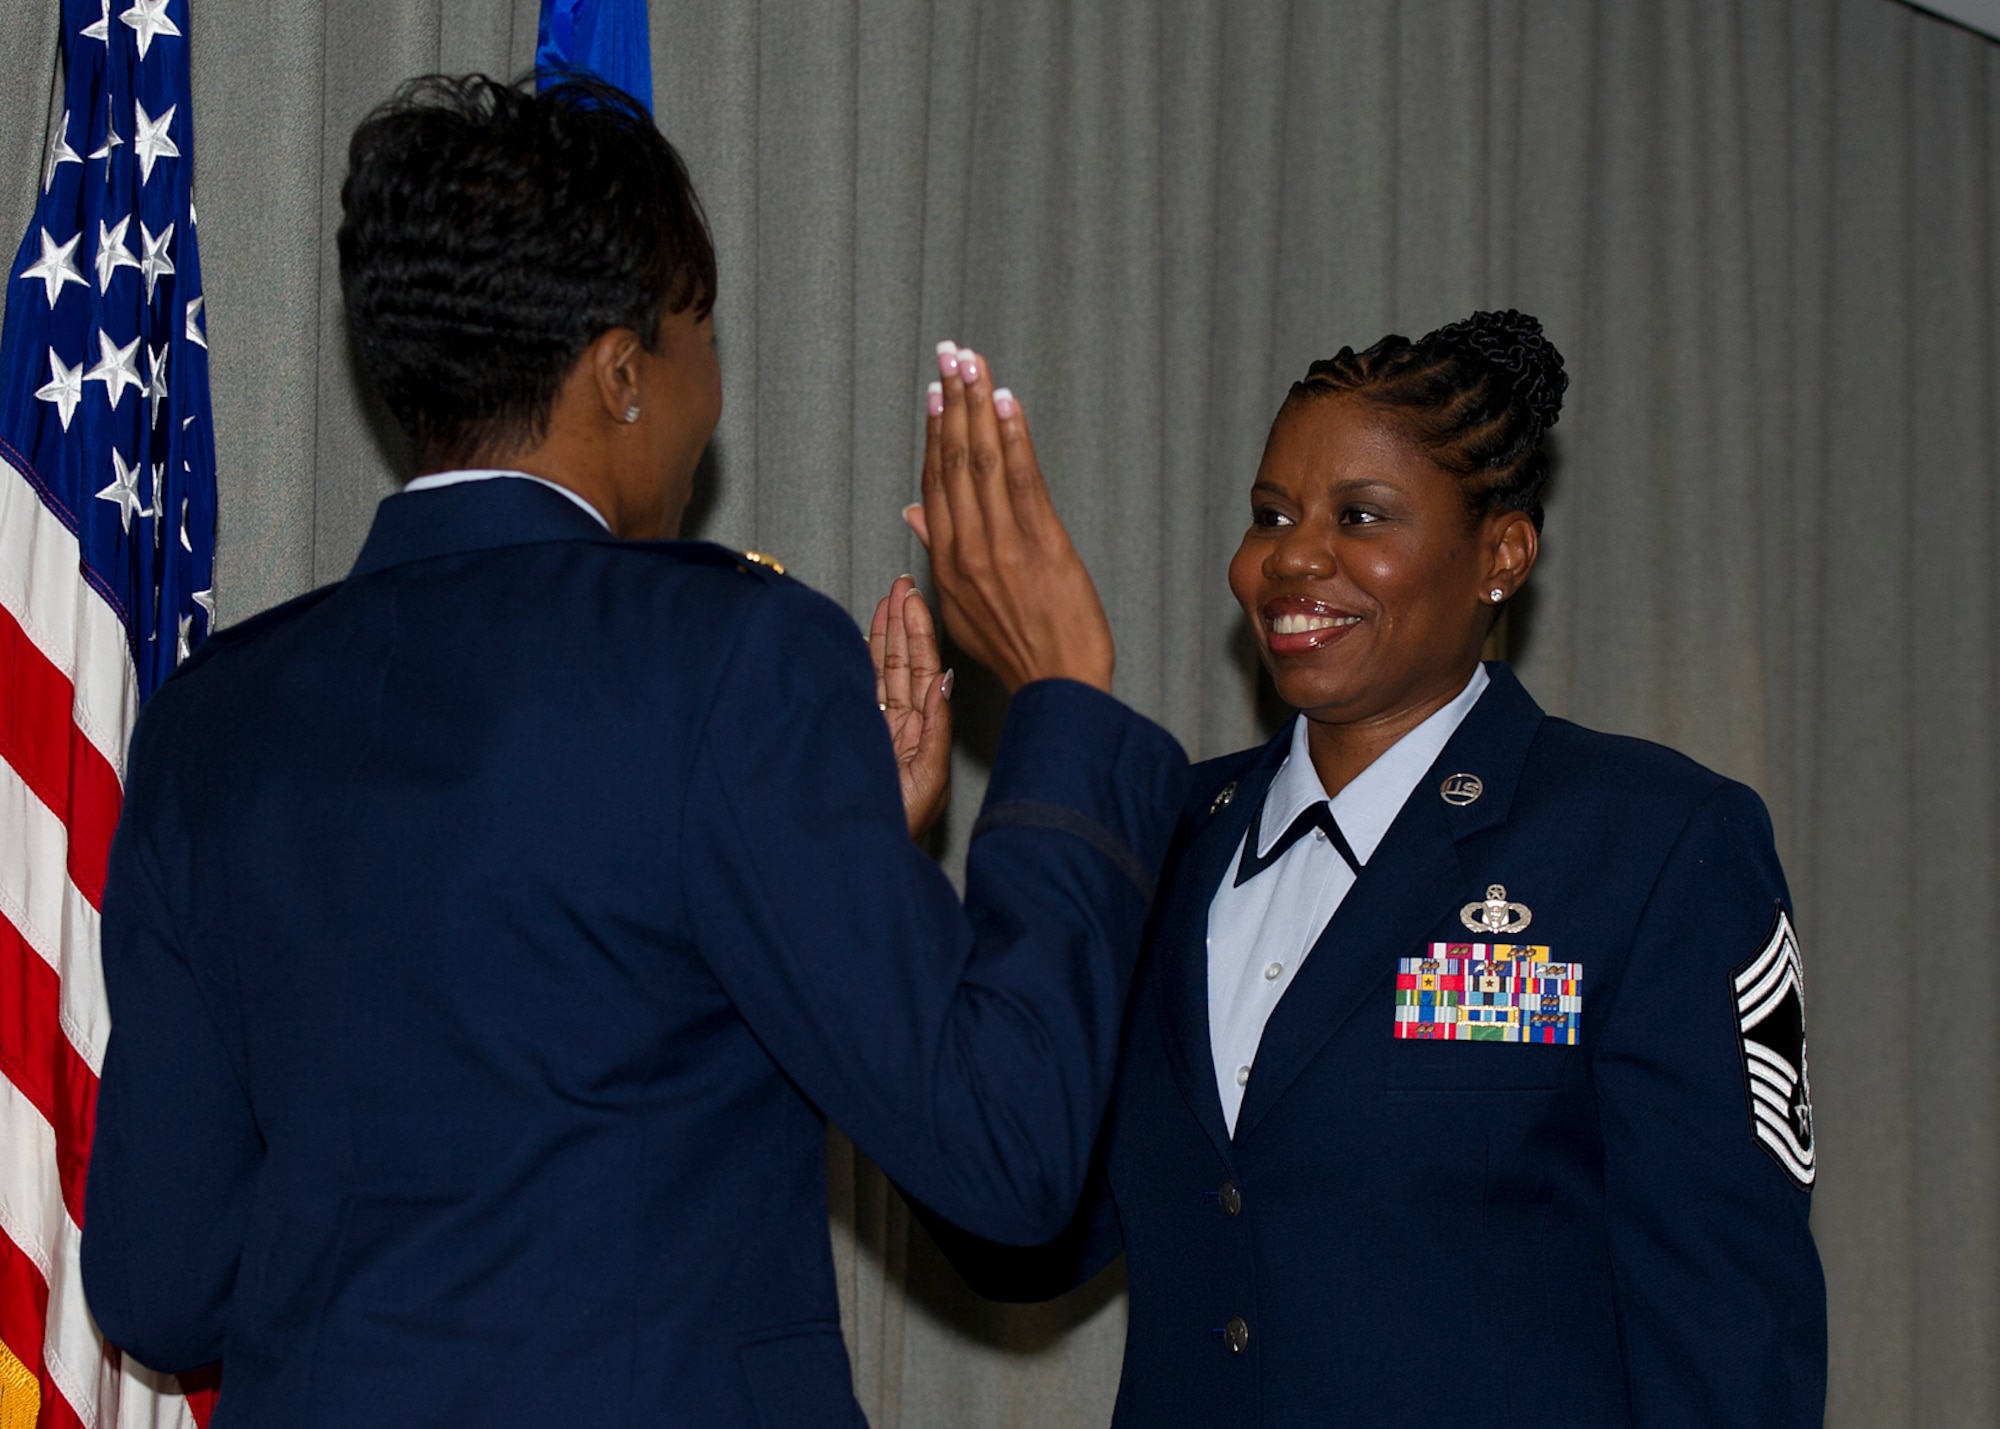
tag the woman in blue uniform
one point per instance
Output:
(488, 935)
(1465, 1079)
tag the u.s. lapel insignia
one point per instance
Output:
(1222, 799)
(1771, 1028)
(1489, 992)
(1461, 789)
(1495, 915)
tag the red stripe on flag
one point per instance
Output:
(201, 1389)
(24, 1308)
(57, 1412)
(39, 737)
(36, 1057)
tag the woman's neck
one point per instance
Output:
(1341, 750)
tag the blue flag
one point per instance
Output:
(606, 37)
(104, 403)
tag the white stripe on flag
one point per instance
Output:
(70, 623)
(144, 1400)
(38, 898)
(32, 1215)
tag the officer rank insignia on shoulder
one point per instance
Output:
(1771, 1028)
(1488, 992)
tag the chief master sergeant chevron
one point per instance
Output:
(488, 933)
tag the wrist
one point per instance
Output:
(1087, 661)
(1095, 677)
(1098, 677)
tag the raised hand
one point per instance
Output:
(1013, 590)
(914, 697)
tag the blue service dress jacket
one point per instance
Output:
(1417, 1229)
(487, 938)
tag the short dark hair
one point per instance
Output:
(490, 233)
(1478, 394)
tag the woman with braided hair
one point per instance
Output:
(1465, 1080)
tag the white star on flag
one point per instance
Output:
(206, 600)
(154, 262)
(111, 141)
(151, 142)
(156, 382)
(60, 153)
(56, 266)
(194, 332)
(102, 599)
(148, 18)
(117, 368)
(112, 254)
(64, 387)
(124, 489)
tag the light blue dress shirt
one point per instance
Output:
(1259, 934)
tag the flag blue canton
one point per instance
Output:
(104, 400)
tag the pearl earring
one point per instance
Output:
(632, 413)
(1496, 595)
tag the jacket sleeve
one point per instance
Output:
(1722, 1308)
(176, 1151)
(968, 1050)
(1022, 1275)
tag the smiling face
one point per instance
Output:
(1367, 584)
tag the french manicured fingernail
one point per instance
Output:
(934, 399)
(1004, 405)
(968, 366)
(947, 353)
(946, 683)
(909, 513)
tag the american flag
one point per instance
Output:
(107, 546)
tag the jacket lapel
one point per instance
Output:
(1180, 945)
(1414, 879)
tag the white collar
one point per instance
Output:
(1370, 802)
(453, 478)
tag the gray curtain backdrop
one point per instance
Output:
(1766, 234)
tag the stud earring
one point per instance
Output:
(632, 413)
(1496, 595)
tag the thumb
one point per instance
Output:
(935, 741)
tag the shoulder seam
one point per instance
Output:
(1723, 787)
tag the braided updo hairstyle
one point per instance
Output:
(1478, 395)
